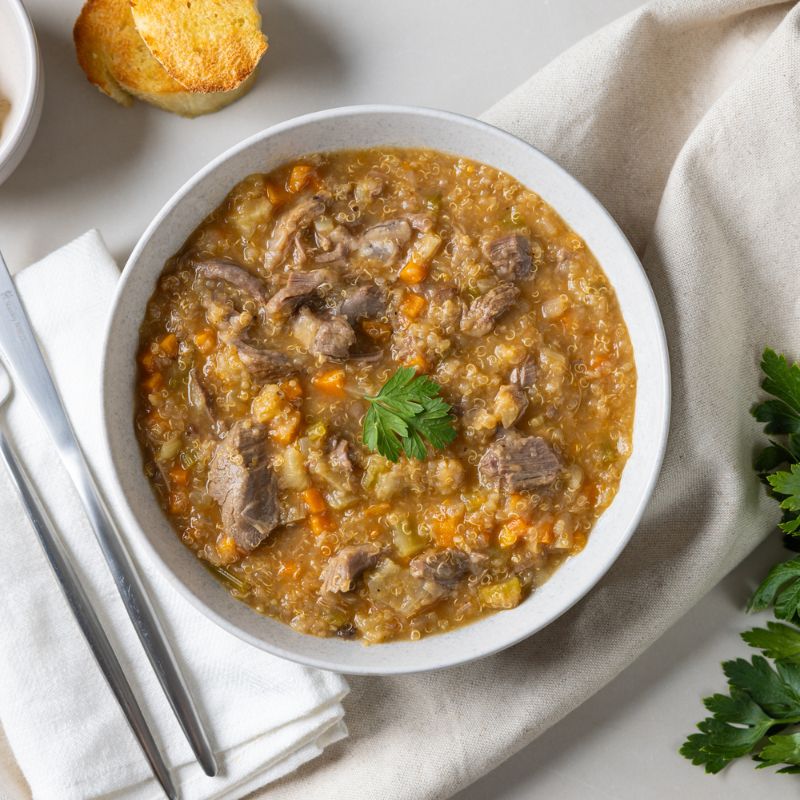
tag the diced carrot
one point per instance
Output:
(414, 272)
(419, 362)
(315, 501)
(292, 389)
(169, 345)
(413, 305)
(148, 362)
(227, 549)
(511, 532)
(153, 383)
(178, 502)
(285, 427)
(320, 523)
(377, 509)
(380, 331)
(598, 360)
(546, 534)
(300, 177)
(277, 195)
(444, 530)
(331, 382)
(178, 476)
(206, 340)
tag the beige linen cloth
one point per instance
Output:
(684, 119)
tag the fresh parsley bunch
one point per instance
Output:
(406, 412)
(760, 714)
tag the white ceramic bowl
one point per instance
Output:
(371, 126)
(21, 85)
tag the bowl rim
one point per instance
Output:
(633, 516)
(14, 145)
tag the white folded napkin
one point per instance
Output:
(266, 716)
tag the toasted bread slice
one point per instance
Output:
(206, 45)
(116, 59)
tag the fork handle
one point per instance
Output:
(85, 615)
(26, 362)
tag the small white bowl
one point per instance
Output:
(21, 85)
(373, 126)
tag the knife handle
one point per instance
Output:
(85, 615)
(26, 363)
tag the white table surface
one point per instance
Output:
(94, 164)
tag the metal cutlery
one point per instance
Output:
(26, 363)
(79, 603)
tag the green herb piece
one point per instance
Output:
(781, 589)
(762, 698)
(783, 749)
(404, 414)
(776, 641)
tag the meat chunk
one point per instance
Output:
(334, 339)
(518, 463)
(445, 309)
(346, 566)
(394, 586)
(511, 256)
(510, 403)
(524, 375)
(295, 219)
(235, 275)
(242, 482)
(341, 243)
(328, 337)
(299, 289)
(363, 302)
(486, 310)
(368, 188)
(445, 567)
(266, 366)
(384, 241)
(199, 401)
(340, 457)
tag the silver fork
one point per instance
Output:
(78, 600)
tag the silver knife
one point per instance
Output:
(26, 363)
(84, 613)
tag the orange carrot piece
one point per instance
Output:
(315, 501)
(300, 177)
(413, 305)
(414, 272)
(169, 345)
(330, 382)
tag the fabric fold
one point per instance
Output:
(682, 118)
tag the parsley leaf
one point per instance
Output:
(775, 641)
(781, 750)
(781, 588)
(761, 698)
(781, 379)
(764, 697)
(404, 414)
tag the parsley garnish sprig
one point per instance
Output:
(760, 715)
(405, 413)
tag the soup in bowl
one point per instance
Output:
(385, 394)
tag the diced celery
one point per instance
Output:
(170, 449)
(317, 431)
(408, 541)
(434, 203)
